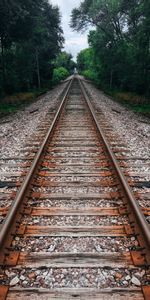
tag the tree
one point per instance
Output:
(120, 41)
(60, 74)
(65, 60)
(85, 59)
(31, 37)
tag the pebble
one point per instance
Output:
(98, 248)
(32, 275)
(76, 220)
(135, 281)
(132, 129)
(9, 274)
(118, 275)
(140, 274)
(25, 283)
(108, 277)
(14, 281)
(127, 278)
(51, 248)
(18, 129)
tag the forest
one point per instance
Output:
(31, 45)
(31, 42)
(118, 57)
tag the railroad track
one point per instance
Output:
(75, 229)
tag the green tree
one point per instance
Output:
(85, 59)
(31, 37)
(60, 74)
(120, 41)
(65, 60)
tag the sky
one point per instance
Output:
(74, 42)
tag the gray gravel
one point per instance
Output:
(76, 204)
(19, 127)
(68, 277)
(76, 220)
(18, 130)
(74, 245)
(134, 129)
(131, 129)
(74, 277)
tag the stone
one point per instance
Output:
(51, 248)
(10, 274)
(142, 273)
(7, 273)
(118, 275)
(135, 281)
(127, 278)
(24, 283)
(35, 221)
(38, 272)
(98, 248)
(32, 275)
(14, 281)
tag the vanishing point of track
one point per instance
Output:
(75, 229)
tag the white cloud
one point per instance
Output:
(74, 42)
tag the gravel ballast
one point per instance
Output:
(19, 127)
(18, 130)
(130, 129)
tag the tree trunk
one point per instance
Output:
(38, 69)
(111, 78)
(3, 64)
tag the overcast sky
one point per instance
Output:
(74, 42)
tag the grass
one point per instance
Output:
(11, 104)
(137, 103)
(143, 108)
(7, 108)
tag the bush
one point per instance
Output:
(89, 74)
(18, 98)
(60, 74)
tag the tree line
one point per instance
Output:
(119, 43)
(31, 39)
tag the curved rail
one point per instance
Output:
(140, 218)
(5, 227)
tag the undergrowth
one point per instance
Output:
(10, 104)
(137, 103)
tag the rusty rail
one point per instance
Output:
(5, 227)
(140, 218)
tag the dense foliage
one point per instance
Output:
(65, 60)
(59, 74)
(30, 39)
(85, 61)
(64, 66)
(119, 45)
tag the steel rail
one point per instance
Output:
(140, 218)
(5, 227)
